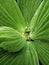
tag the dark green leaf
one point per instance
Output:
(28, 8)
(43, 51)
(27, 56)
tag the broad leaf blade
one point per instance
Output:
(11, 40)
(42, 48)
(28, 8)
(27, 56)
(10, 15)
(40, 21)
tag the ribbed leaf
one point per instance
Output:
(28, 8)
(10, 15)
(11, 40)
(43, 51)
(14, 49)
(40, 22)
(27, 56)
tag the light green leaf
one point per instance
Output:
(28, 8)
(42, 48)
(18, 41)
(40, 22)
(27, 56)
(10, 15)
(11, 40)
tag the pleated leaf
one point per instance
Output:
(42, 48)
(28, 8)
(27, 56)
(11, 40)
(18, 47)
(10, 15)
(40, 22)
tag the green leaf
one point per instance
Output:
(18, 42)
(27, 56)
(28, 8)
(11, 40)
(40, 22)
(10, 15)
(42, 48)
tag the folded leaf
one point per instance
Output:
(28, 8)
(27, 56)
(42, 48)
(16, 43)
(11, 40)
(40, 22)
(10, 15)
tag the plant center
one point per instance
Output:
(27, 34)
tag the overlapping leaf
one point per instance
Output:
(43, 51)
(28, 8)
(40, 31)
(27, 56)
(11, 40)
(14, 49)
(40, 22)
(10, 15)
